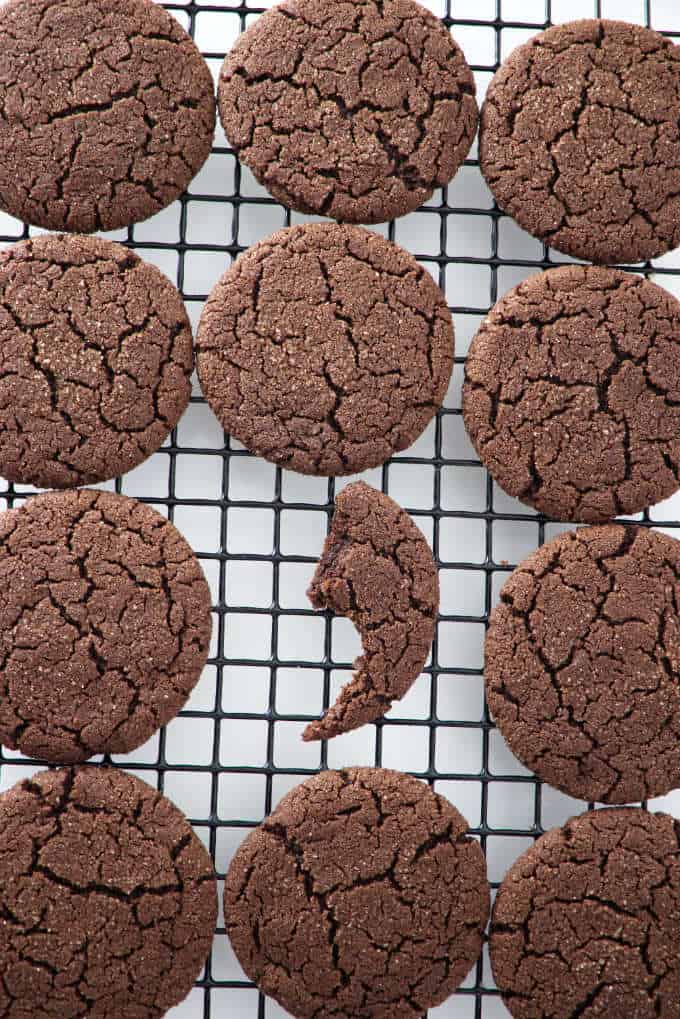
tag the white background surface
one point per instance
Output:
(264, 750)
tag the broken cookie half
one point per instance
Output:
(376, 569)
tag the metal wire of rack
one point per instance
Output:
(274, 662)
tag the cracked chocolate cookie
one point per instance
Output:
(108, 898)
(95, 360)
(572, 393)
(379, 902)
(582, 661)
(377, 569)
(104, 624)
(580, 140)
(108, 112)
(355, 109)
(586, 920)
(325, 349)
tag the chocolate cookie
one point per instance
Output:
(355, 109)
(580, 140)
(586, 921)
(572, 393)
(95, 360)
(325, 349)
(108, 899)
(582, 660)
(360, 897)
(377, 569)
(108, 111)
(104, 624)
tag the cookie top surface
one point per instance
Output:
(586, 920)
(379, 903)
(580, 140)
(572, 393)
(377, 569)
(355, 109)
(325, 349)
(581, 663)
(104, 624)
(109, 898)
(95, 360)
(108, 112)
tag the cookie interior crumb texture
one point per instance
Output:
(379, 902)
(586, 920)
(108, 111)
(95, 360)
(325, 349)
(580, 140)
(581, 664)
(104, 624)
(355, 109)
(108, 898)
(572, 393)
(377, 569)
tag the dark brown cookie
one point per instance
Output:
(355, 109)
(325, 349)
(108, 899)
(377, 569)
(108, 111)
(361, 897)
(580, 140)
(104, 624)
(586, 921)
(95, 360)
(582, 659)
(572, 393)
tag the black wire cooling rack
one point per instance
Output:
(209, 760)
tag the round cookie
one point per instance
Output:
(581, 663)
(379, 902)
(325, 349)
(580, 140)
(95, 360)
(586, 921)
(572, 393)
(104, 624)
(108, 112)
(108, 898)
(352, 110)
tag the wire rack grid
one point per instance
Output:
(274, 663)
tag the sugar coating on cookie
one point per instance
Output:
(104, 624)
(108, 112)
(580, 140)
(355, 109)
(360, 896)
(108, 898)
(572, 393)
(377, 569)
(325, 349)
(95, 360)
(586, 920)
(581, 663)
